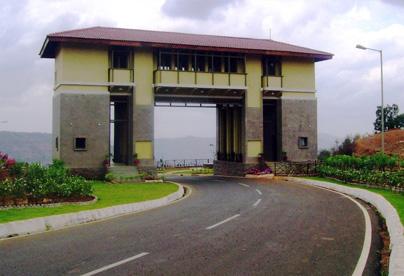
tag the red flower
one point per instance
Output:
(10, 162)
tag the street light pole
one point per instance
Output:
(381, 86)
(381, 89)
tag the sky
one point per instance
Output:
(348, 86)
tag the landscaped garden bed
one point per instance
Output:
(378, 170)
(29, 184)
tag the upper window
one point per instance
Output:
(120, 59)
(183, 61)
(271, 66)
(165, 61)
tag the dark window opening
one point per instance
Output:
(303, 142)
(200, 63)
(217, 64)
(272, 66)
(57, 143)
(233, 65)
(120, 59)
(183, 61)
(80, 143)
(165, 61)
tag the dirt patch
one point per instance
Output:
(11, 202)
(393, 143)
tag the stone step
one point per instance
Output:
(123, 173)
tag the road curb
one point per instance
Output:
(395, 228)
(42, 224)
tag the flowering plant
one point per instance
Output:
(5, 164)
(257, 171)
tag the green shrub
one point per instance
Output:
(380, 178)
(37, 182)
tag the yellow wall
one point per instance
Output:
(82, 64)
(310, 95)
(298, 74)
(254, 72)
(144, 149)
(86, 88)
(144, 77)
(254, 148)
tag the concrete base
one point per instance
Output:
(231, 168)
(150, 170)
(89, 173)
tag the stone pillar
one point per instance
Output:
(237, 132)
(143, 109)
(299, 119)
(253, 132)
(223, 133)
(229, 133)
(82, 115)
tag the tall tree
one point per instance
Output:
(392, 118)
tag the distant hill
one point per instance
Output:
(36, 147)
(184, 148)
(326, 141)
(27, 146)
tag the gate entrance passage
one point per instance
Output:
(109, 80)
(120, 129)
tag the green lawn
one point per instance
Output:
(396, 199)
(108, 195)
(186, 171)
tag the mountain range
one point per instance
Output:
(36, 147)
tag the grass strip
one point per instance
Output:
(396, 199)
(107, 194)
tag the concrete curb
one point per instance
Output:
(42, 224)
(395, 228)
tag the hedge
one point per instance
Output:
(34, 181)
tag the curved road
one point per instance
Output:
(227, 226)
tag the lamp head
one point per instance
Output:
(361, 47)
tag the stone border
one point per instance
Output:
(260, 176)
(42, 224)
(394, 226)
(44, 205)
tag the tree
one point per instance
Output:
(392, 118)
(347, 147)
(399, 121)
(324, 154)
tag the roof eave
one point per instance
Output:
(48, 48)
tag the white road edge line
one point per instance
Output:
(107, 267)
(223, 221)
(257, 202)
(258, 191)
(245, 185)
(367, 241)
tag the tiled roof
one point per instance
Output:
(133, 37)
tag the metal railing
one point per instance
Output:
(183, 163)
(158, 76)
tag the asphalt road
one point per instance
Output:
(227, 226)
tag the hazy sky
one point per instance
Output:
(348, 85)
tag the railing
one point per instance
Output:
(234, 157)
(272, 82)
(199, 78)
(183, 163)
(119, 75)
(289, 168)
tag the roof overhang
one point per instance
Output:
(51, 44)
